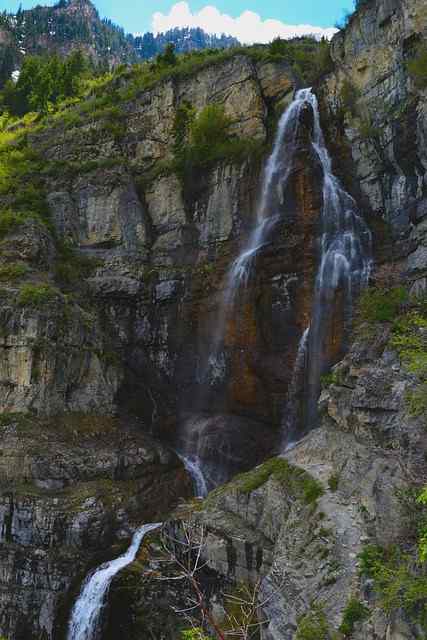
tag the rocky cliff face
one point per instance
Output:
(297, 525)
(159, 253)
(384, 119)
(114, 304)
(103, 318)
(72, 488)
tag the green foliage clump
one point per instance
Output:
(417, 67)
(9, 221)
(313, 626)
(72, 267)
(309, 59)
(168, 57)
(209, 142)
(37, 295)
(333, 482)
(330, 378)
(21, 184)
(398, 581)
(368, 130)
(422, 544)
(210, 128)
(409, 340)
(417, 401)
(193, 634)
(45, 81)
(381, 305)
(12, 272)
(354, 612)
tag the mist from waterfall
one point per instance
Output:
(86, 615)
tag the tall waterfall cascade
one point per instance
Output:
(345, 265)
(86, 615)
(344, 262)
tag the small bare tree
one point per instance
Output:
(243, 620)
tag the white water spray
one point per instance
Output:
(87, 611)
(194, 467)
(345, 264)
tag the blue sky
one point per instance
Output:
(136, 15)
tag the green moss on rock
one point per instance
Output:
(294, 479)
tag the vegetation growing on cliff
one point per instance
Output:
(399, 582)
(399, 572)
(381, 305)
(37, 295)
(48, 82)
(22, 192)
(295, 481)
(313, 625)
(203, 139)
(417, 67)
(354, 612)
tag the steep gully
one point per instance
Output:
(344, 258)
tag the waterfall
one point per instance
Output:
(87, 611)
(345, 264)
(274, 180)
(193, 465)
(291, 410)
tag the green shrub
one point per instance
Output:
(8, 418)
(398, 582)
(417, 67)
(333, 482)
(330, 378)
(417, 401)
(193, 634)
(9, 221)
(72, 267)
(422, 544)
(310, 59)
(369, 558)
(409, 339)
(20, 178)
(354, 612)
(12, 272)
(168, 57)
(209, 143)
(209, 129)
(381, 305)
(37, 295)
(368, 130)
(313, 626)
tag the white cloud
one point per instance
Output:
(247, 28)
